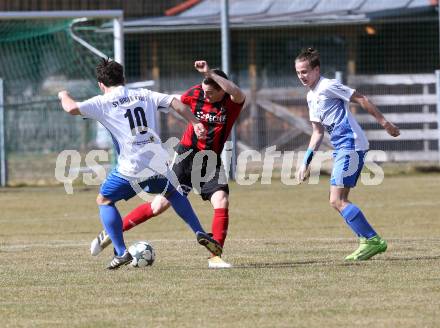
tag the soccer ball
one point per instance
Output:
(143, 254)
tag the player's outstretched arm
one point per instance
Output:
(186, 113)
(317, 136)
(315, 142)
(237, 95)
(363, 101)
(69, 105)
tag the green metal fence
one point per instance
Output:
(40, 58)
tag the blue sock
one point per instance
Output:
(112, 222)
(357, 221)
(183, 208)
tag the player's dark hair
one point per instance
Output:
(311, 55)
(210, 81)
(110, 73)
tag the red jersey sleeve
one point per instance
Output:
(186, 98)
(232, 106)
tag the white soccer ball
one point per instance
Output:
(143, 254)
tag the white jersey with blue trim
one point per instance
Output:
(129, 116)
(329, 105)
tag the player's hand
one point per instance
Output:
(201, 66)
(62, 93)
(303, 173)
(200, 130)
(392, 129)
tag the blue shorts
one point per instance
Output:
(116, 188)
(347, 167)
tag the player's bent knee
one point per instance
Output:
(159, 205)
(220, 199)
(101, 200)
(338, 204)
(223, 203)
(335, 203)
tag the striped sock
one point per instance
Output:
(137, 216)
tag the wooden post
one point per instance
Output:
(425, 109)
(351, 62)
(162, 122)
(352, 51)
(155, 64)
(143, 56)
(3, 161)
(254, 112)
(84, 136)
(437, 89)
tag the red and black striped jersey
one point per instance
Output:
(217, 118)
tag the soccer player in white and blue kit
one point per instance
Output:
(129, 115)
(328, 102)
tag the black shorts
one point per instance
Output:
(195, 168)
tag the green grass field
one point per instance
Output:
(286, 244)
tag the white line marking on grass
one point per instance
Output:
(84, 243)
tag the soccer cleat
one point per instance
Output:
(117, 261)
(351, 257)
(99, 243)
(216, 262)
(211, 244)
(368, 248)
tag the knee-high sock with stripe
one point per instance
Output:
(357, 221)
(140, 214)
(112, 222)
(220, 223)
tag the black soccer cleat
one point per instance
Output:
(118, 261)
(211, 244)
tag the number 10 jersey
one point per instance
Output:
(129, 116)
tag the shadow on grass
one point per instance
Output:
(292, 264)
(427, 169)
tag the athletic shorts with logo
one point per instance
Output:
(347, 167)
(196, 163)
